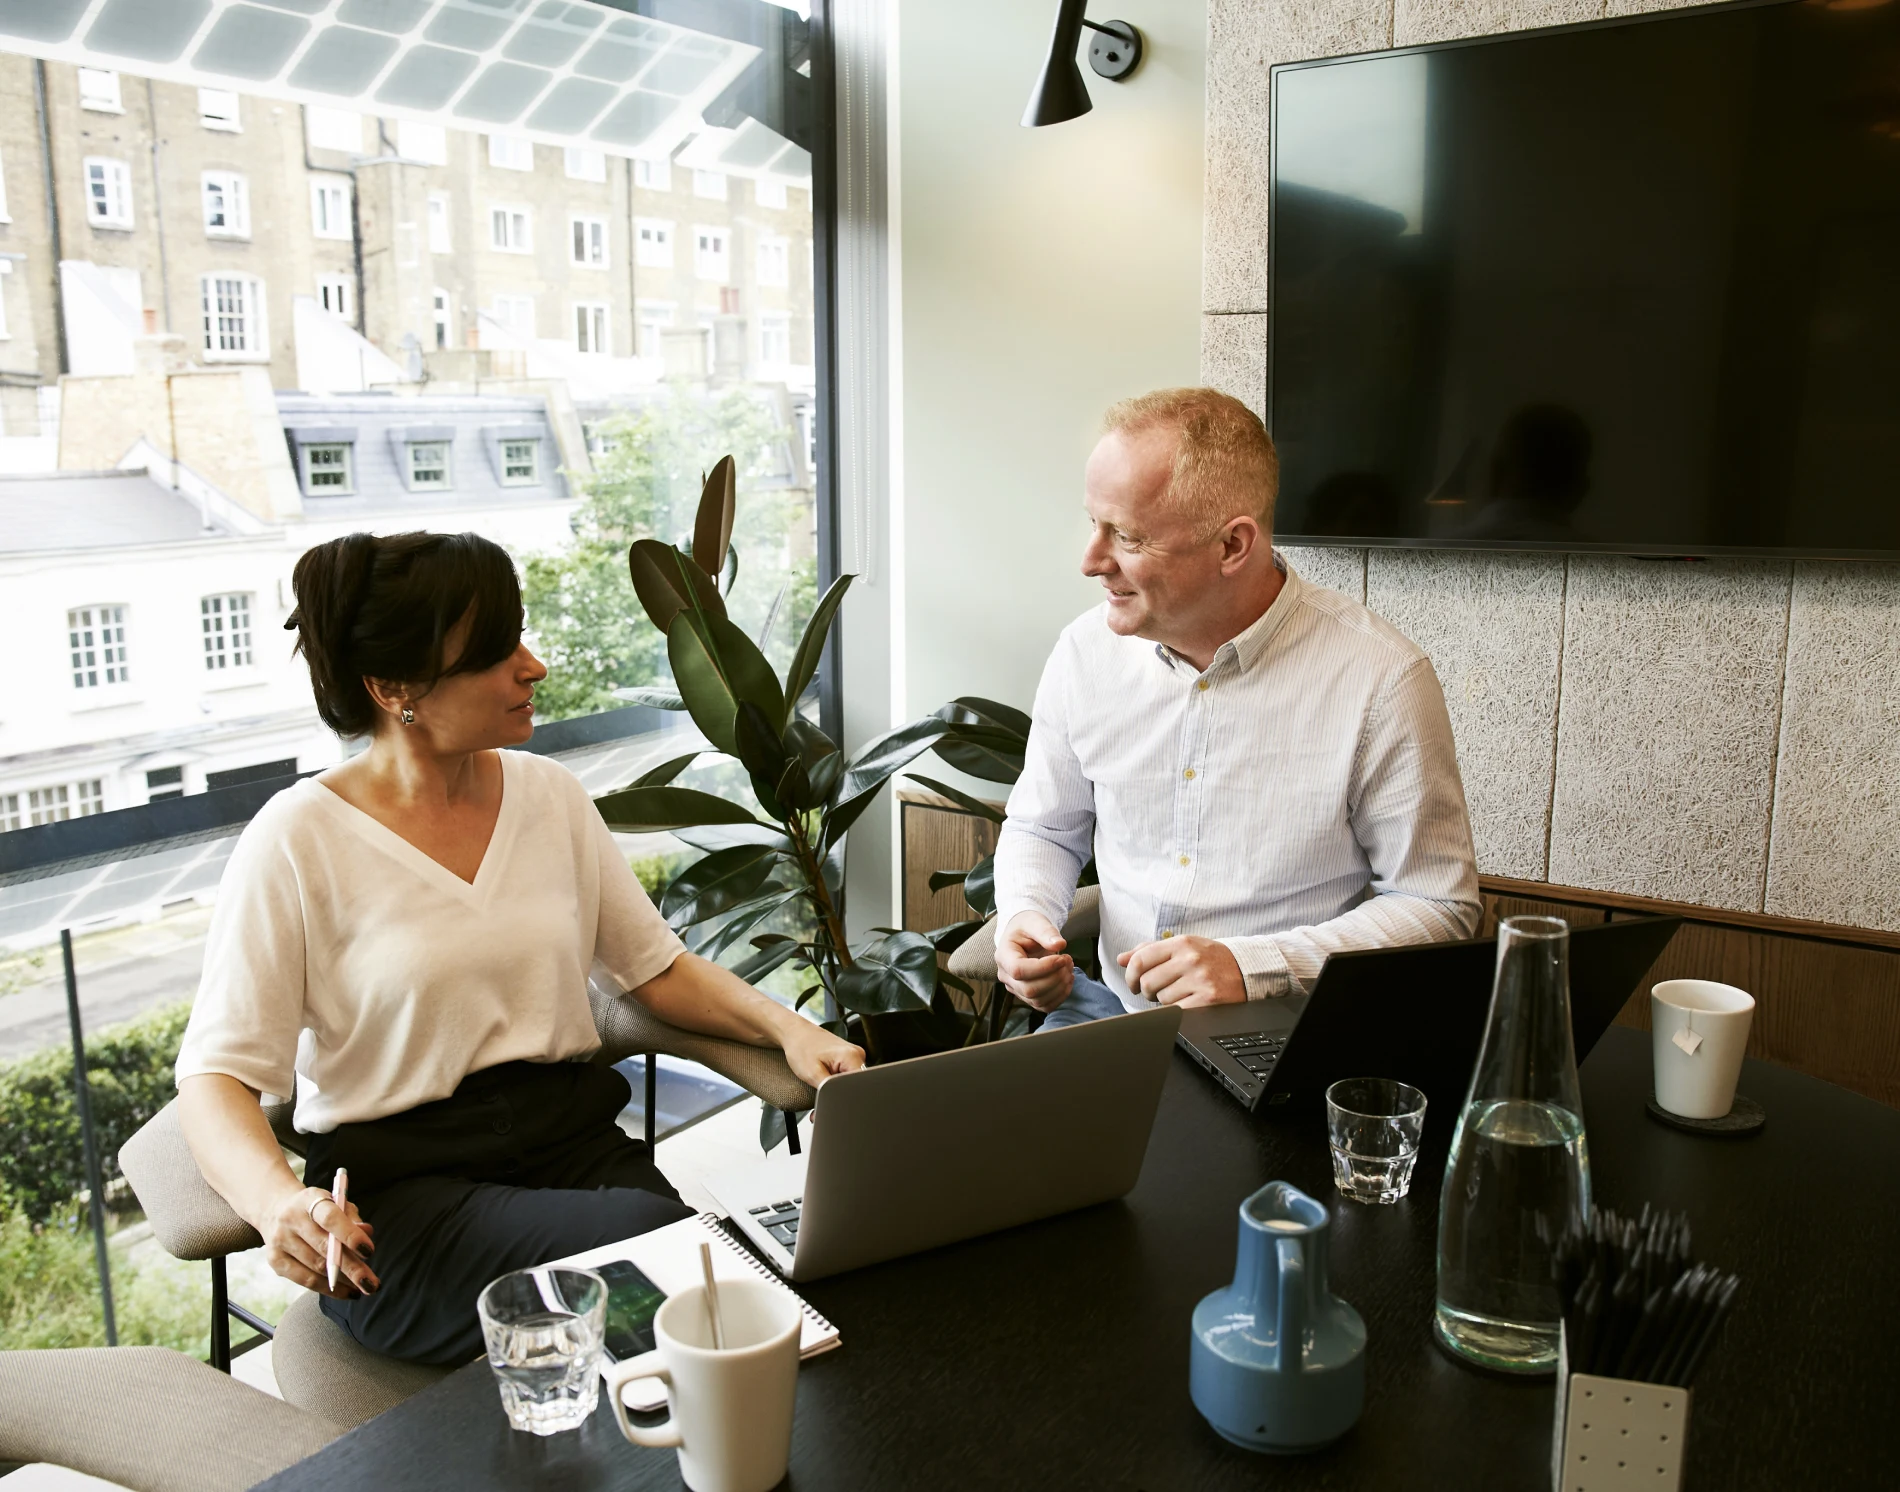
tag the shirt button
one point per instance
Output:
(1184, 859)
(1202, 684)
(1167, 932)
(1189, 774)
(503, 1126)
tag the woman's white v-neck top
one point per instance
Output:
(346, 964)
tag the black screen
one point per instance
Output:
(1630, 287)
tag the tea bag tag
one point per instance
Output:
(1688, 1040)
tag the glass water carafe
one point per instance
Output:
(1518, 1170)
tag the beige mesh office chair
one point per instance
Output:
(319, 1366)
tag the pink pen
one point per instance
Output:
(339, 1193)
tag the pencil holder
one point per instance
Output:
(1614, 1433)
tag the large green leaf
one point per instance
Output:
(710, 837)
(718, 666)
(712, 529)
(897, 972)
(718, 883)
(970, 709)
(640, 810)
(958, 796)
(756, 966)
(812, 645)
(984, 751)
(979, 886)
(873, 768)
(653, 699)
(667, 583)
(757, 743)
(744, 919)
(942, 880)
(666, 771)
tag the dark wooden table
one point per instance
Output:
(1055, 1355)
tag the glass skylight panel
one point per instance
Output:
(560, 72)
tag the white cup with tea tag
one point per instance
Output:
(1698, 1031)
(731, 1418)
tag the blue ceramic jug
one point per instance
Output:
(1278, 1362)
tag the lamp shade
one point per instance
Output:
(1059, 93)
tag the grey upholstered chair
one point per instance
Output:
(148, 1419)
(320, 1367)
(976, 957)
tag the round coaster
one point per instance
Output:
(1744, 1118)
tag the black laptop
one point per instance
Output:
(1415, 1013)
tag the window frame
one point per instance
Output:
(511, 152)
(345, 297)
(587, 241)
(781, 321)
(346, 488)
(113, 653)
(254, 314)
(99, 99)
(782, 253)
(641, 321)
(701, 268)
(236, 193)
(115, 176)
(413, 482)
(441, 206)
(586, 157)
(324, 186)
(704, 182)
(510, 216)
(223, 661)
(230, 123)
(651, 175)
(665, 236)
(593, 322)
(503, 461)
(534, 314)
(442, 316)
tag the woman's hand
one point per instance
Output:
(297, 1233)
(814, 1054)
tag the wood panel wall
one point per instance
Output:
(1827, 999)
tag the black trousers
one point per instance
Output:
(521, 1164)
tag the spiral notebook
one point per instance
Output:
(669, 1257)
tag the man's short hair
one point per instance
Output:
(1224, 461)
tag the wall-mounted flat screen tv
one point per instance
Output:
(1631, 287)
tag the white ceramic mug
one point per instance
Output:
(1698, 1031)
(731, 1408)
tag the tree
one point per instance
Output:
(581, 611)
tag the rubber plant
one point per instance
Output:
(787, 855)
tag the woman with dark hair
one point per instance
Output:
(405, 943)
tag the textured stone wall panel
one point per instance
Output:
(1834, 854)
(1337, 569)
(1234, 358)
(1493, 625)
(1416, 22)
(1671, 703)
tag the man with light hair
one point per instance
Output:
(1262, 768)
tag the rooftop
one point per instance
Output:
(98, 510)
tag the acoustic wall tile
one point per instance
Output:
(1337, 569)
(1834, 852)
(1415, 22)
(1671, 701)
(1645, 7)
(1492, 624)
(1234, 358)
(1244, 39)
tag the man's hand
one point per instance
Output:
(1185, 972)
(814, 1054)
(1031, 963)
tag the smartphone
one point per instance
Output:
(632, 1299)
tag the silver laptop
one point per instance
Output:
(917, 1154)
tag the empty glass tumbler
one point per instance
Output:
(1519, 1170)
(543, 1330)
(1374, 1126)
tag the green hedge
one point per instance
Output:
(42, 1152)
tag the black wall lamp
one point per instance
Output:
(1114, 53)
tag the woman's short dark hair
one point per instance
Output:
(383, 607)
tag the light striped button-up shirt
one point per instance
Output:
(1298, 798)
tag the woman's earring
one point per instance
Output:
(408, 716)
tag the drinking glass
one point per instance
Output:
(1374, 1125)
(543, 1329)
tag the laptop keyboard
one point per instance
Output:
(1257, 1051)
(780, 1220)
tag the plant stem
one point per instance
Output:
(830, 922)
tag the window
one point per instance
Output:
(590, 327)
(516, 312)
(164, 782)
(655, 317)
(511, 152)
(96, 636)
(511, 229)
(427, 144)
(99, 89)
(334, 293)
(520, 462)
(775, 260)
(769, 191)
(226, 625)
(327, 469)
(438, 222)
(710, 185)
(227, 203)
(233, 308)
(443, 322)
(218, 109)
(333, 129)
(653, 243)
(775, 339)
(330, 208)
(709, 254)
(585, 165)
(655, 176)
(52, 805)
(108, 191)
(429, 464)
(589, 237)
